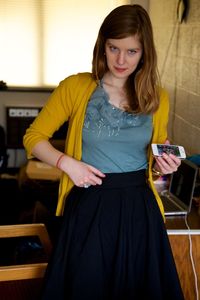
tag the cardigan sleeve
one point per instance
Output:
(55, 112)
(160, 123)
(160, 119)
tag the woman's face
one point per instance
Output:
(123, 56)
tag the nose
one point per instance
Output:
(121, 58)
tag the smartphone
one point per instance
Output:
(159, 149)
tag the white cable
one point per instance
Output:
(192, 261)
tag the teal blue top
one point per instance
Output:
(114, 141)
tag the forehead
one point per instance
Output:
(127, 42)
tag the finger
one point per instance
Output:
(167, 142)
(168, 163)
(164, 164)
(171, 159)
(176, 160)
(97, 172)
(93, 179)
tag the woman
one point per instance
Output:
(113, 243)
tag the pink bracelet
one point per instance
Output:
(59, 159)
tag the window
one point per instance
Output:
(43, 41)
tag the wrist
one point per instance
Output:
(59, 160)
(66, 163)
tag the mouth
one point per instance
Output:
(120, 70)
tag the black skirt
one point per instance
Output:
(113, 245)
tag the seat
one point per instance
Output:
(24, 281)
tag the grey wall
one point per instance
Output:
(178, 47)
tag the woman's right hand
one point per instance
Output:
(81, 173)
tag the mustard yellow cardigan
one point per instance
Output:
(68, 102)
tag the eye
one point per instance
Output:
(132, 51)
(113, 48)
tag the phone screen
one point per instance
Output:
(169, 149)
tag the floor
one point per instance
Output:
(21, 289)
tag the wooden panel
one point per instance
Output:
(181, 251)
(20, 272)
(27, 271)
(39, 230)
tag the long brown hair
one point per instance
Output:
(141, 87)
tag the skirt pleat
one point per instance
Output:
(113, 245)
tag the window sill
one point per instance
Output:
(27, 89)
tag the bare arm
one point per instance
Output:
(78, 171)
(45, 152)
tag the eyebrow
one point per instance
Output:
(111, 44)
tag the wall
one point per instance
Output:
(178, 46)
(11, 98)
(144, 3)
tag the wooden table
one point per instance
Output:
(178, 222)
(181, 245)
(42, 171)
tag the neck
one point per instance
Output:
(113, 82)
(116, 91)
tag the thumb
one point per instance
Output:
(167, 142)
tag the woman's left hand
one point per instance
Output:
(167, 164)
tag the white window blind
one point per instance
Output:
(43, 41)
